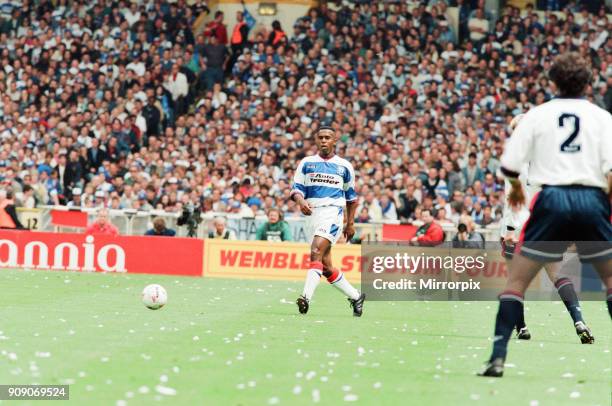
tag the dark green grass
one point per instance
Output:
(235, 342)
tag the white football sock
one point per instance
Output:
(339, 282)
(313, 277)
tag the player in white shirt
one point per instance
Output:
(568, 145)
(323, 185)
(513, 220)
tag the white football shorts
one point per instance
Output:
(326, 222)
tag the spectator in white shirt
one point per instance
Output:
(132, 14)
(478, 26)
(176, 83)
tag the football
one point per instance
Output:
(154, 296)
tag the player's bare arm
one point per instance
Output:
(349, 228)
(304, 206)
(516, 198)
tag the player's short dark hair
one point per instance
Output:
(571, 73)
(324, 127)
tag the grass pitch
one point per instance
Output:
(235, 342)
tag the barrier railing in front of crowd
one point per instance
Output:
(133, 222)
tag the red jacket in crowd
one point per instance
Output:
(430, 234)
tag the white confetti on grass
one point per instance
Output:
(163, 378)
(41, 354)
(316, 396)
(121, 402)
(144, 390)
(297, 389)
(474, 396)
(310, 375)
(273, 401)
(567, 375)
(377, 385)
(350, 397)
(534, 403)
(346, 388)
(165, 390)
(240, 386)
(574, 395)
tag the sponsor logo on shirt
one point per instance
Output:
(323, 178)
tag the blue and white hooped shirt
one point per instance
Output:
(325, 182)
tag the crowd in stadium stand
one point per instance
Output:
(121, 104)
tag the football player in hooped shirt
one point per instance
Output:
(324, 184)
